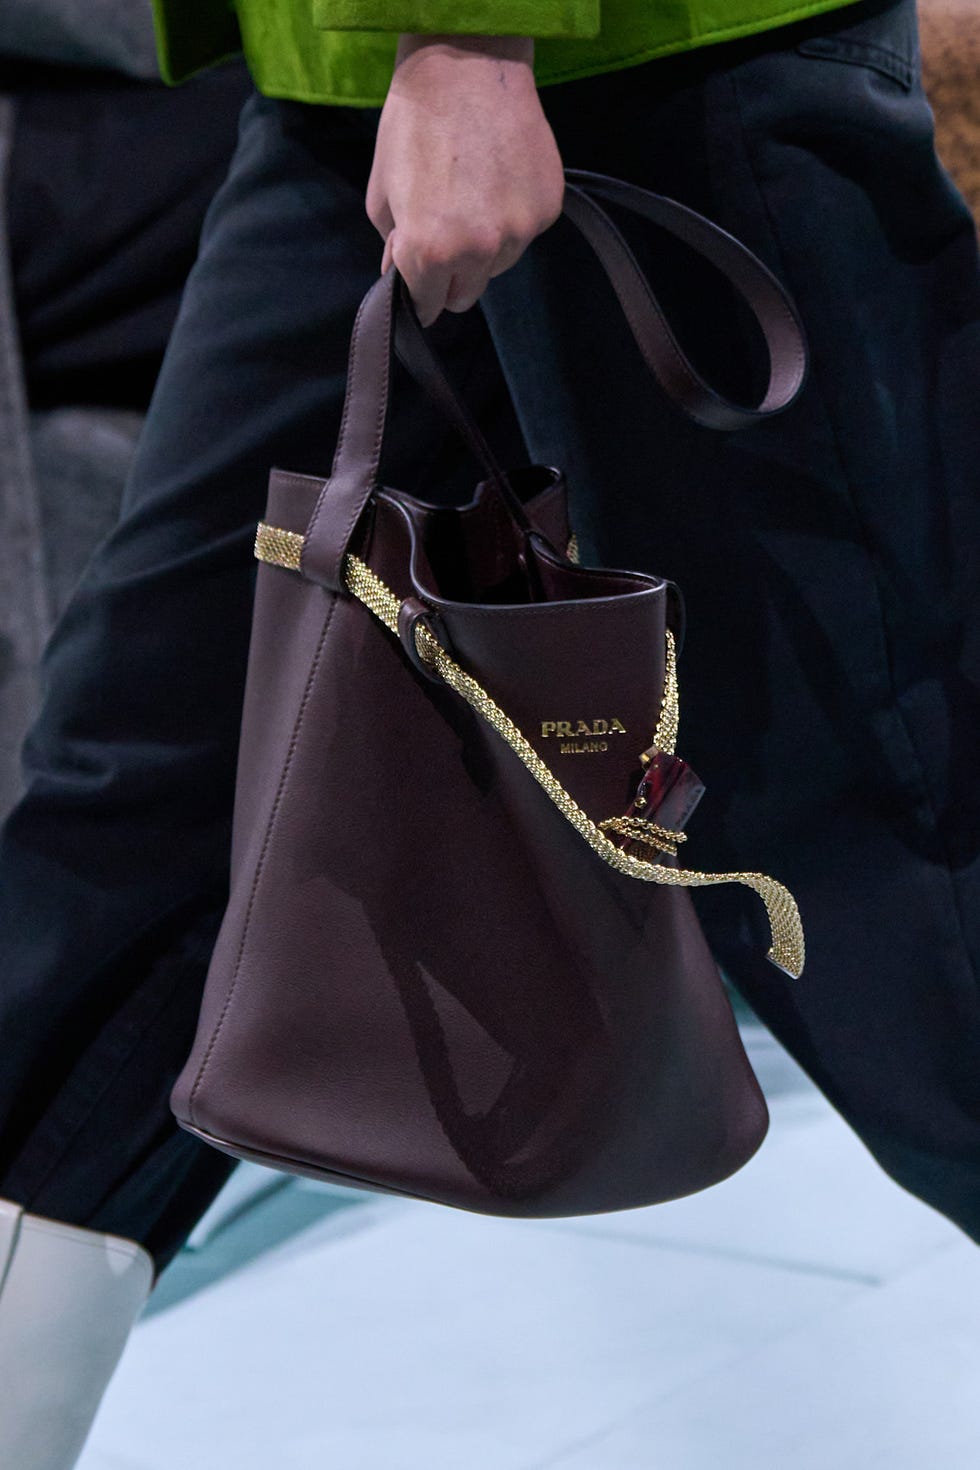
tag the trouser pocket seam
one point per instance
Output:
(861, 53)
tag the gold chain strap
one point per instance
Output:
(641, 829)
(665, 735)
(283, 548)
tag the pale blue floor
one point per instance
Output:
(806, 1315)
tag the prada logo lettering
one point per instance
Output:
(581, 737)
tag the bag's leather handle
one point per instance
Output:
(358, 454)
(767, 299)
(414, 352)
(782, 330)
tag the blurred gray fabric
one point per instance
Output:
(62, 471)
(61, 477)
(23, 602)
(117, 34)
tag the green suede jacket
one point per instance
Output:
(342, 51)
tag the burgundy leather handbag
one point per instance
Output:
(459, 960)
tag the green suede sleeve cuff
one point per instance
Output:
(558, 19)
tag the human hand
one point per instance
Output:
(466, 169)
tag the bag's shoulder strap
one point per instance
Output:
(358, 454)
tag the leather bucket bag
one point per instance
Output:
(459, 960)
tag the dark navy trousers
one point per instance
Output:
(830, 680)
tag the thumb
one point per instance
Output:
(387, 254)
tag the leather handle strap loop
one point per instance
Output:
(769, 303)
(357, 457)
(413, 613)
(386, 306)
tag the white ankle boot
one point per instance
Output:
(68, 1301)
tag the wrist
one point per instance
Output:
(512, 52)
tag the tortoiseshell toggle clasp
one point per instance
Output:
(666, 797)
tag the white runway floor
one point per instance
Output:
(806, 1315)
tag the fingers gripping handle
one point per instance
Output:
(358, 455)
